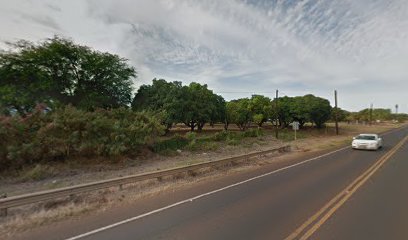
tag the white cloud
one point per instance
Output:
(357, 47)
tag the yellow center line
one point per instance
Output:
(341, 198)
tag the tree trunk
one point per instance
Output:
(21, 112)
(168, 126)
(200, 126)
(192, 125)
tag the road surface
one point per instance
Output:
(352, 194)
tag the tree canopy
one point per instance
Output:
(261, 109)
(308, 108)
(194, 105)
(238, 112)
(161, 96)
(59, 72)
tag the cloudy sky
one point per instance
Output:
(239, 48)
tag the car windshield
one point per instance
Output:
(365, 137)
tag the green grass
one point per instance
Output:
(39, 172)
(196, 141)
(169, 145)
(287, 135)
(193, 141)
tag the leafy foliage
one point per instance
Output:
(198, 106)
(342, 115)
(304, 109)
(174, 143)
(318, 108)
(194, 105)
(380, 114)
(261, 109)
(69, 132)
(59, 72)
(161, 97)
(238, 112)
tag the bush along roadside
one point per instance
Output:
(68, 132)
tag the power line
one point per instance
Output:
(282, 94)
(244, 92)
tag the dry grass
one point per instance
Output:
(30, 217)
(36, 216)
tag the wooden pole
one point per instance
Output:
(336, 112)
(277, 115)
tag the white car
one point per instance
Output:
(367, 141)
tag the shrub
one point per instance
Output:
(174, 143)
(18, 145)
(255, 132)
(220, 136)
(191, 136)
(70, 132)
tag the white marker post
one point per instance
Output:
(295, 127)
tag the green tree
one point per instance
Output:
(218, 113)
(261, 109)
(342, 115)
(59, 72)
(258, 119)
(161, 96)
(382, 114)
(376, 114)
(303, 109)
(197, 105)
(319, 109)
(238, 112)
(284, 110)
(231, 109)
(299, 110)
(194, 105)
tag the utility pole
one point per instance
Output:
(336, 112)
(277, 115)
(371, 113)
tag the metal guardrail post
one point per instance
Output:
(3, 211)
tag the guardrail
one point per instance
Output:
(30, 198)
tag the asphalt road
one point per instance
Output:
(271, 203)
(377, 211)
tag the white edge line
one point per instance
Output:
(198, 197)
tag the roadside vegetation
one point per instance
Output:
(62, 102)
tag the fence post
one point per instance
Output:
(3, 211)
